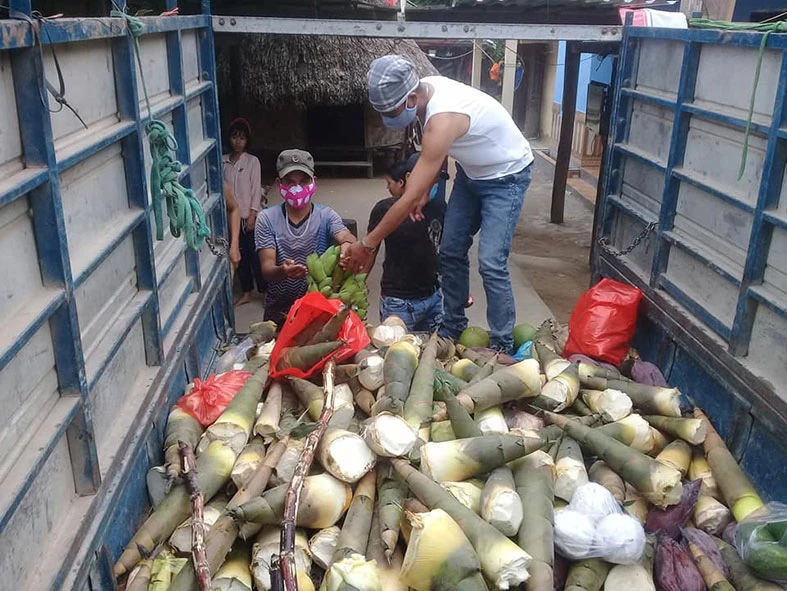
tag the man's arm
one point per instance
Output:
(440, 133)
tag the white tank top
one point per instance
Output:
(493, 146)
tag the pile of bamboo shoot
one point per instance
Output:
(439, 467)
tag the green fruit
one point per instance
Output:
(326, 291)
(523, 333)
(474, 336)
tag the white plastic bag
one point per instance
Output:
(594, 526)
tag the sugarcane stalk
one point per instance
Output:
(738, 491)
(287, 555)
(653, 400)
(354, 537)
(713, 577)
(535, 484)
(267, 424)
(331, 329)
(569, 469)
(180, 540)
(587, 575)
(391, 490)
(502, 561)
(690, 430)
(213, 470)
(660, 484)
(267, 548)
(399, 366)
(181, 426)
(306, 356)
(418, 405)
(602, 474)
(197, 522)
(464, 458)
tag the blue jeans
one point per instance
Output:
(493, 207)
(425, 315)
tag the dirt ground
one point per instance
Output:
(554, 257)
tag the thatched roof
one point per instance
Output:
(315, 70)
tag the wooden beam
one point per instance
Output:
(563, 160)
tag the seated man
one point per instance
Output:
(286, 234)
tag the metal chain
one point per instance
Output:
(604, 243)
(218, 246)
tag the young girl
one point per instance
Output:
(410, 285)
(242, 175)
(286, 234)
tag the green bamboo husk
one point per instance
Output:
(551, 363)
(312, 396)
(391, 491)
(487, 369)
(443, 379)
(561, 391)
(632, 430)
(535, 483)
(331, 329)
(139, 579)
(464, 458)
(491, 421)
(689, 430)
(388, 565)
(742, 578)
(660, 484)
(324, 500)
(354, 537)
(439, 556)
(611, 405)
(234, 425)
(699, 469)
(262, 332)
(235, 573)
(213, 469)
(181, 426)
(462, 423)
(738, 491)
(713, 577)
(581, 408)
(677, 454)
(267, 423)
(401, 360)
(653, 400)
(521, 380)
(465, 369)
(569, 469)
(467, 492)
(602, 474)
(502, 561)
(418, 406)
(588, 370)
(249, 460)
(441, 431)
(306, 356)
(587, 575)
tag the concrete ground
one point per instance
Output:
(548, 263)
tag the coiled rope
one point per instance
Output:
(184, 210)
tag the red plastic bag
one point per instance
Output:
(603, 322)
(310, 308)
(208, 399)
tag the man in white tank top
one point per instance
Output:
(493, 159)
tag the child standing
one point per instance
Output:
(410, 285)
(287, 233)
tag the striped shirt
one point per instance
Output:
(273, 230)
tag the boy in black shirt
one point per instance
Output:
(410, 283)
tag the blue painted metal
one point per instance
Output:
(672, 331)
(169, 322)
(648, 98)
(761, 231)
(25, 181)
(116, 133)
(680, 130)
(134, 221)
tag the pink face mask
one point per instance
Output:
(297, 196)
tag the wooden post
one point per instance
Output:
(563, 160)
(509, 75)
(477, 61)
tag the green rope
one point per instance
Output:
(767, 29)
(183, 208)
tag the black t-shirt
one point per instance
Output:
(411, 266)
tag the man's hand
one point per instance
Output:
(234, 256)
(293, 270)
(417, 214)
(357, 258)
(251, 221)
